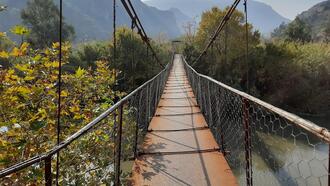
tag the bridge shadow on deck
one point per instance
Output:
(179, 149)
(158, 164)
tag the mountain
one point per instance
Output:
(261, 15)
(191, 8)
(93, 19)
(181, 19)
(318, 18)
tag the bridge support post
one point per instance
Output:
(209, 105)
(204, 106)
(156, 94)
(190, 80)
(137, 127)
(195, 88)
(48, 171)
(222, 138)
(118, 147)
(247, 139)
(148, 106)
(200, 102)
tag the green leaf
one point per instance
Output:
(36, 125)
(4, 161)
(20, 143)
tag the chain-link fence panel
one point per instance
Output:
(263, 145)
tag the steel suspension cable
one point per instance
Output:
(247, 48)
(133, 15)
(59, 92)
(226, 44)
(114, 33)
(220, 27)
(133, 47)
(137, 18)
(249, 169)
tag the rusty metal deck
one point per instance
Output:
(179, 149)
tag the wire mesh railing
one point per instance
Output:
(102, 151)
(263, 144)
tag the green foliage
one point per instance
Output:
(317, 18)
(326, 33)
(301, 81)
(134, 60)
(43, 17)
(95, 150)
(225, 63)
(298, 31)
(279, 32)
(29, 91)
(292, 73)
(28, 106)
(190, 52)
(86, 54)
(5, 45)
(5, 42)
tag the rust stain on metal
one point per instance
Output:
(174, 132)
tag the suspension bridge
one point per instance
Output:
(185, 128)
(179, 141)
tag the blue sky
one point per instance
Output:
(290, 8)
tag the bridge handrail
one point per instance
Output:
(44, 156)
(320, 132)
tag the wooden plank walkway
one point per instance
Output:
(179, 149)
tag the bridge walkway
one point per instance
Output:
(179, 148)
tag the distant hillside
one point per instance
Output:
(262, 16)
(181, 19)
(93, 19)
(318, 18)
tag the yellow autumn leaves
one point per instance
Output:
(15, 52)
(4, 54)
(3, 34)
(28, 98)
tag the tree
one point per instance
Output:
(43, 18)
(190, 31)
(5, 42)
(225, 59)
(279, 32)
(133, 59)
(190, 52)
(299, 31)
(86, 54)
(28, 95)
(327, 33)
